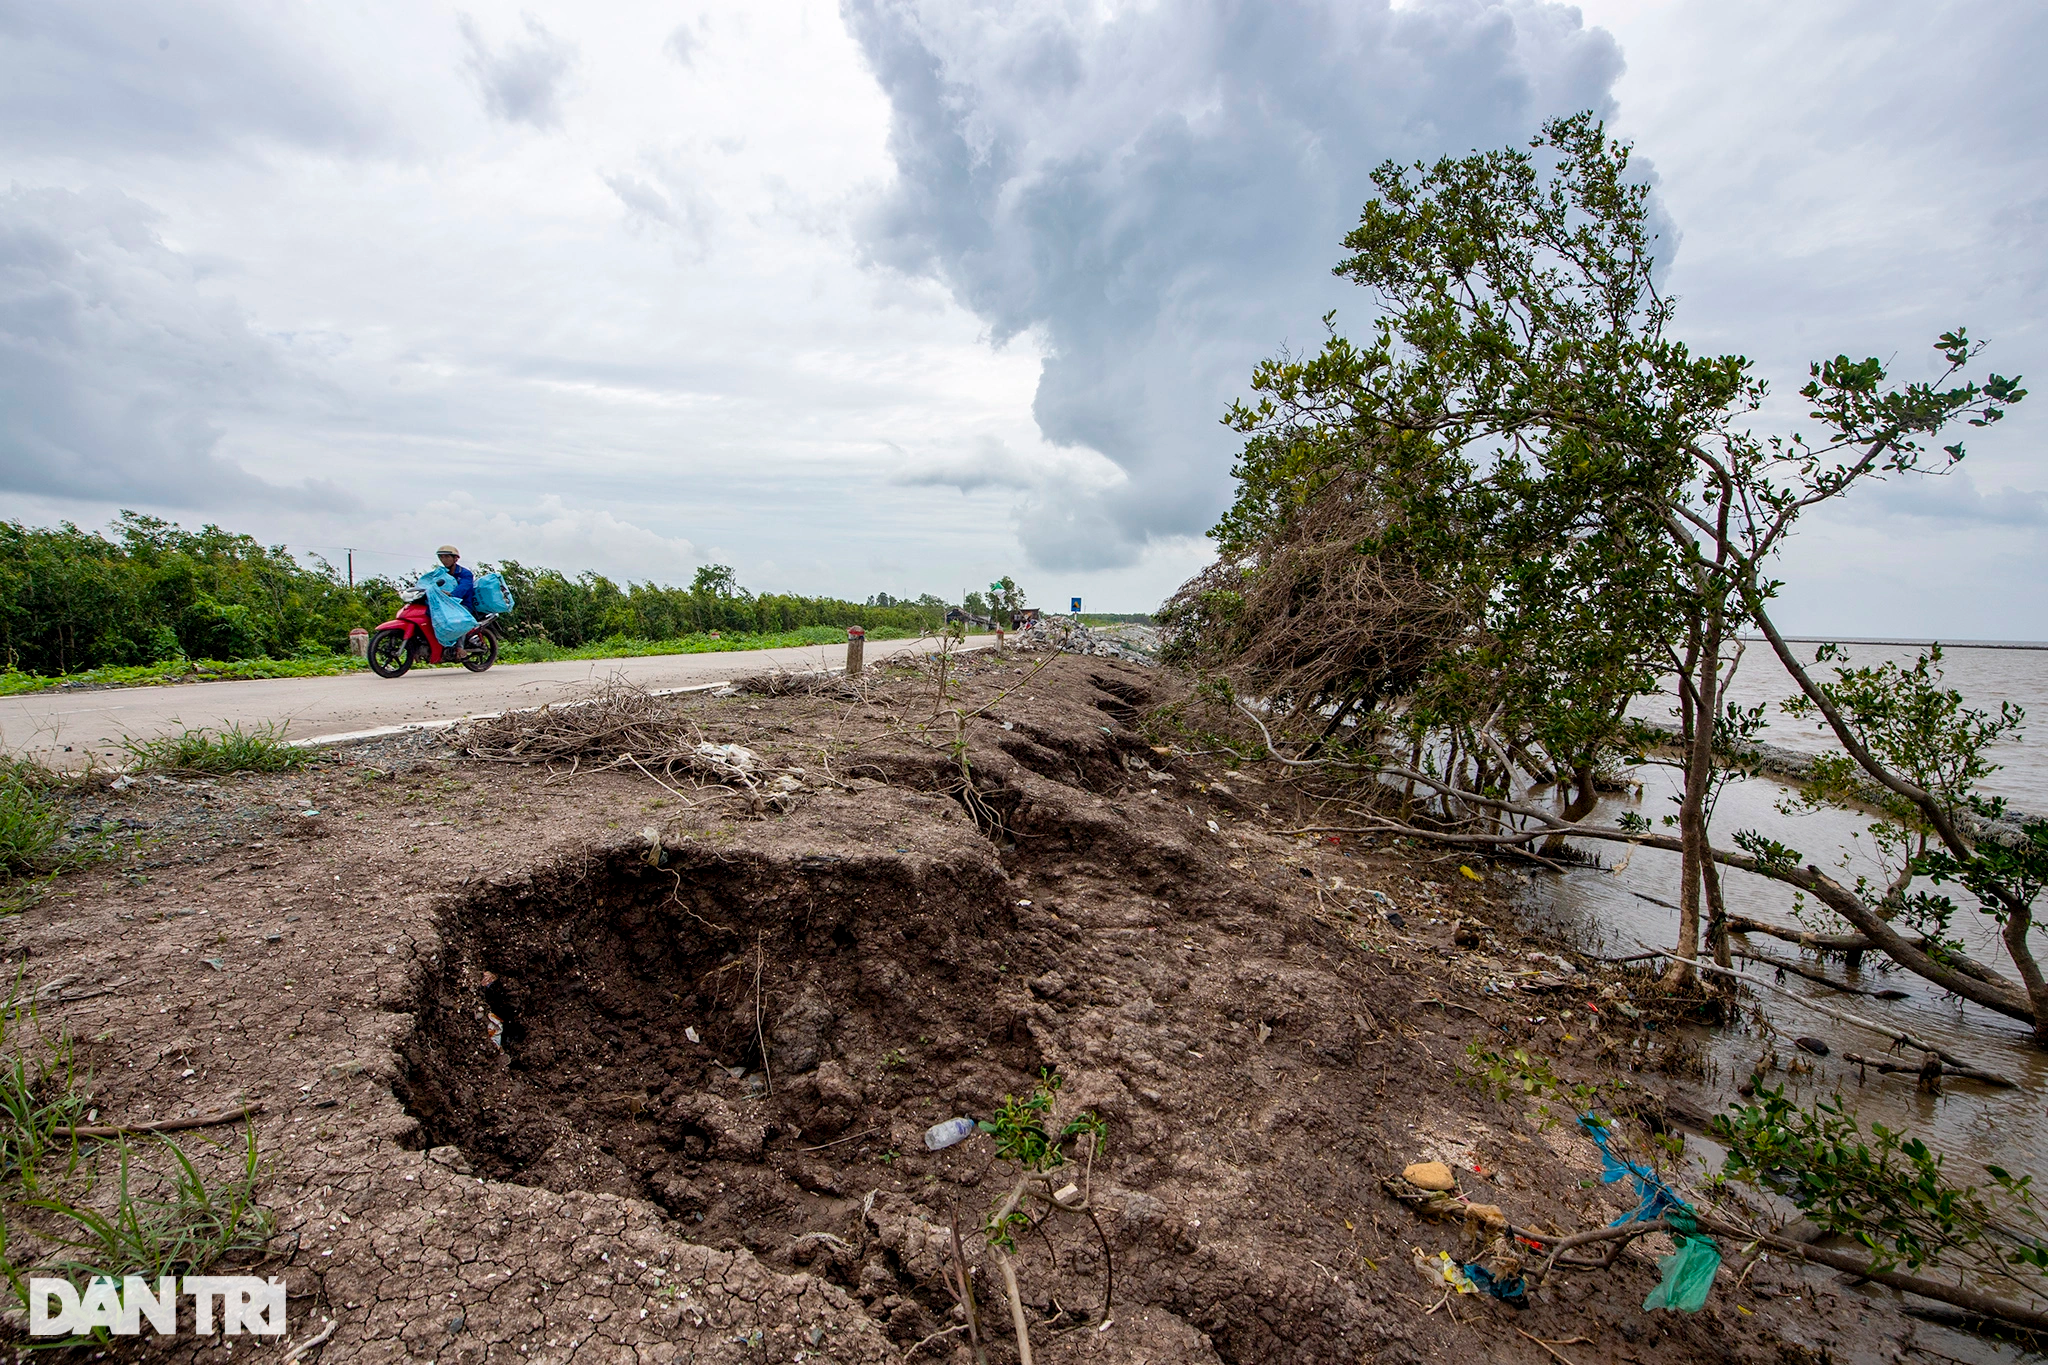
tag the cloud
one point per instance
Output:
(554, 534)
(1156, 194)
(988, 463)
(128, 76)
(115, 368)
(682, 45)
(677, 205)
(522, 81)
(1953, 499)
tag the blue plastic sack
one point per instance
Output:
(451, 619)
(492, 596)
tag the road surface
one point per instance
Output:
(68, 729)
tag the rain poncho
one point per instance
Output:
(451, 619)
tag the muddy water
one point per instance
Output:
(1615, 908)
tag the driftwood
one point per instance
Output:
(1961, 1296)
(1897, 1037)
(1815, 975)
(167, 1125)
(1930, 1070)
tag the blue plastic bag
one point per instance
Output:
(1689, 1271)
(492, 596)
(451, 619)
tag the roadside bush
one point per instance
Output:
(149, 592)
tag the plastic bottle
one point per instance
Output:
(943, 1135)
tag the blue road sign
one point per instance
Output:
(1076, 608)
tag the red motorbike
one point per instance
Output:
(408, 639)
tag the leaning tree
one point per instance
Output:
(1538, 498)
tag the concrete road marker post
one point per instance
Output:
(856, 646)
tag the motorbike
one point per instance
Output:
(408, 639)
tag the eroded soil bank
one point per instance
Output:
(535, 1085)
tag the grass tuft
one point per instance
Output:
(40, 1095)
(75, 1224)
(196, 1227)
(210, 753)
(31, 821)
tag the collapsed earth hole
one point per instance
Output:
(684, 1033)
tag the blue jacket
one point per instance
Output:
(465, 587)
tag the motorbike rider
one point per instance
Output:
(465, 583)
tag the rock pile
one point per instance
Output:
(1135, 644)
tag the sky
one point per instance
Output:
(903, 295)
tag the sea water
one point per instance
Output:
(1626, 903)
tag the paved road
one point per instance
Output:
(67, 728)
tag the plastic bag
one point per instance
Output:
(452, 621)
(1688, 1274)
(492, 596)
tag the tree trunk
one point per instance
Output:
(1692, 813)
(2017, 924)
(1585, 798)
(1717, 913)
(1331, 729)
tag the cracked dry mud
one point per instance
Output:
(604, 1187)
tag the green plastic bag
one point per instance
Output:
(1688, 1274)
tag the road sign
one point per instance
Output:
(1077, 606)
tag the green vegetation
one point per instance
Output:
(1461, 549)
(195, 1226)
(73, 600)
(1025, 1132)
(1028, 1132)
(533, 651)
(180, 671)
(210, 753)
(152, 603)
(1517, 1072)
(1888, 1192)
(35, 840)
(40, 1095)
(586, 610)
(31, 822)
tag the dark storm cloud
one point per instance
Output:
(184, 79)
(1160, 196)
(113, 366)
(521, 80)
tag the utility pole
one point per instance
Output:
(351, 568)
